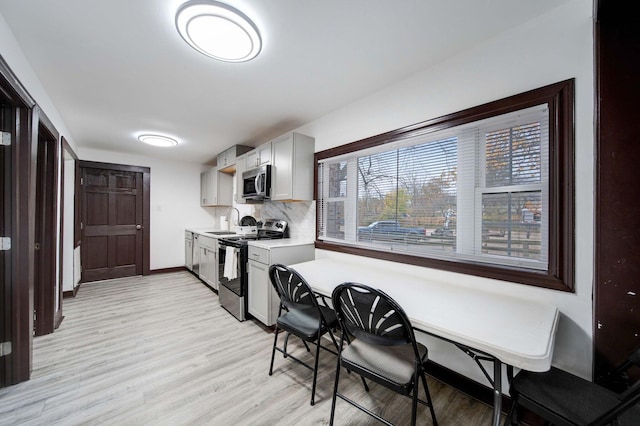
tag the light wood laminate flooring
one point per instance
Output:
(159, 350)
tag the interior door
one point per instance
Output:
(114, 221)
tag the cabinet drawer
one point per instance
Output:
(207, 242)
(259, 255)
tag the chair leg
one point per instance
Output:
(286, 342)
(414, 400)
(366, 388)
(335, 392)
(273, 351)
(315, 371)
(429, 401)
(512, 416)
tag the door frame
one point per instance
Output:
(146, 205)
(67, 149)
(47, 283)
(616, 255)
(18, 194)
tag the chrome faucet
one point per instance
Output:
(237, 211)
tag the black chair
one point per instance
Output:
(300, 314)
(564, 399)
(384, 348)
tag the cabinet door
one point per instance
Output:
(221, 162)
(203, 271)
(188, 254)
(240, 168)
(224, 189)
(259, 292)
(212, 277)
(216, 188)
(293, 166)
(282, 175)
(212, 184)
(264, 154)
(204, 183)
(251, 161)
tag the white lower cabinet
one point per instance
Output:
(188, 250)
(263, 300)
(208, 271)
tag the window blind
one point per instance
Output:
(476, 192)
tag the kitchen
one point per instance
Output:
(257, 178)
(433, 92)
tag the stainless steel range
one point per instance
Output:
(232, 266)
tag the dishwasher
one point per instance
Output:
(195, 260)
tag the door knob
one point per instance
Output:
(138, 226)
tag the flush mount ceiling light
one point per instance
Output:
(218, 30)
(158, 140)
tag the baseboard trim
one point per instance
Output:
(71, 293)
(464, 384)
(168, 270)
(478, 391)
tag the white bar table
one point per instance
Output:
(487, 326)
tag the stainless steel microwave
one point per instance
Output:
(256, 184)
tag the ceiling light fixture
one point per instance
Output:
(158, 140)
(218, 30)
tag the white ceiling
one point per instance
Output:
(118, 67)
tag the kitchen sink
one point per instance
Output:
(220, 232)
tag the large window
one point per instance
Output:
(487, 191)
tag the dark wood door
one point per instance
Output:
(113, 222)
(617, 233)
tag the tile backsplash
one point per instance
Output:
(300, 215)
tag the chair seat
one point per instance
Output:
(304, 323)
(569, 397)
(393, 366)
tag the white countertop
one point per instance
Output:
(516, 331)
(203, 231)
(283, 242)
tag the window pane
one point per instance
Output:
(511, 224)
(338, 180)
(377, 187)
(513, 156)
(408, 195)
(334, 226)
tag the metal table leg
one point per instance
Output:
(496, 380)
(497, 391)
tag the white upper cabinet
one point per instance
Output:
(259, 156)
(227, 159)
(241, 166)
(216, 188)
(292, 167)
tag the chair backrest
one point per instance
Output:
(618, 379)
(371, 315)
(629, 398)
(293, 290)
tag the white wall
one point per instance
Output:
(552, 48)
(68, 228)
(18, 63)
(175, 202)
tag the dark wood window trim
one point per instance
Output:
(560, 274)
